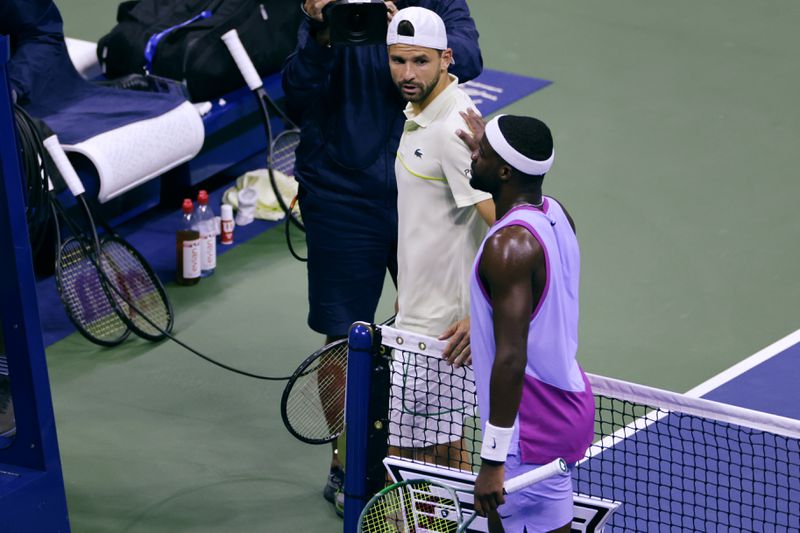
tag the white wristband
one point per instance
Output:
(496, 442)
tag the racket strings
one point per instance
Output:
(314, 407)
(83, 295)
(119, 293)
(136, 292)
(282, 156)
(418, 506)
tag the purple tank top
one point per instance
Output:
(556, 413)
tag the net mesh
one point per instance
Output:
(690, 473)
(431, 410)
(670, 470)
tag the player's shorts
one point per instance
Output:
(429, 401)
(349, 252)
(543, 506)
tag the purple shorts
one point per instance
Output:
(543, 506)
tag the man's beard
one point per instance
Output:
(424, 91)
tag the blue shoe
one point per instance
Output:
(334, 485)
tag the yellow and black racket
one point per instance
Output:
(431, 506)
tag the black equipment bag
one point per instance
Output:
(181, 40)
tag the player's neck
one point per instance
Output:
(507, 202)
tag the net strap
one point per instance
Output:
(412, 342)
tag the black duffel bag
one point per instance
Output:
(181, 40)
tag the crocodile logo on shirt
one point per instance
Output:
(418, 152)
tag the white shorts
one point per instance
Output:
(543, 506)
(429, 401)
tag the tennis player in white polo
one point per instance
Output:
(441, 221)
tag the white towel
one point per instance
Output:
(267, 207)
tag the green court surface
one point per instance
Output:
(677, 132)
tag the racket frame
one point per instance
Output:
(256, 86)
(406, 488)
(91, 247)
(556, 467)
(112, 236)
(107, 273)
(303, 370)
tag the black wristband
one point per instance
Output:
(491, 462)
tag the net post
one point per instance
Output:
(359, 368)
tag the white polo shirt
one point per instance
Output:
(439, 229)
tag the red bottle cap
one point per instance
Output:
(187, 206)
(202, 198)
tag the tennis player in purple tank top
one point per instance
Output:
(535, 402)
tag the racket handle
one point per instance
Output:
(242, 59)
(63, 165)
(558, 466)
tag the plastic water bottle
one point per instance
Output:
(206, 226)
(187, 247)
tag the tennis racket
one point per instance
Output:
(282, 148)
(312, 404)
(136, 292)
(79, 282)
(417, 505)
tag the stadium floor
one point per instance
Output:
(677, 131)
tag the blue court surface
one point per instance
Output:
(676, 472)
(680, 462)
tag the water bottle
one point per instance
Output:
(187, 247)
(206, 226)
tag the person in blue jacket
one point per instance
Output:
(351, 117)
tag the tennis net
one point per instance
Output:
(673, 462)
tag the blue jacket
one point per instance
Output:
(350, 111)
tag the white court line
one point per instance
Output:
(747, 364)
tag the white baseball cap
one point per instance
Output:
(428, 28)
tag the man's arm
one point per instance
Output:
(462, 37)
(306, 71)
(510, 259)
(36, 31)
(456, 162)
(487, 211)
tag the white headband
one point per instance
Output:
(511, 156)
